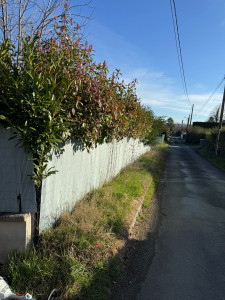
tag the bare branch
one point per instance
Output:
(6, 19)
(21, 18)
(20, 34)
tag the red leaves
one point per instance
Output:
(109, 107)
(66, 5)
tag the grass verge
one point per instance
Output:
(79, 256)
(210, 155)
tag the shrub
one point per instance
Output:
(212, 139)
(195, 134)
(59, 92)
(159, 127)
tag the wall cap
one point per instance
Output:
(14, 217)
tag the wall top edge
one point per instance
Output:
(14, 217)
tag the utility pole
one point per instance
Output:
(191, 113)
(188, 123)
(221, 122)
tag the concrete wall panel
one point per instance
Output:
(80, 172)
(15, 167)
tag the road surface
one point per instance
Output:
(189, 261)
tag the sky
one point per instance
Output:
(138, 38)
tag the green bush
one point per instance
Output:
(59, 92)
(159, 127)
(212, 139)
(195, 134)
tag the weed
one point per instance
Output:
(140, 217)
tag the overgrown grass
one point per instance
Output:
(218, 160)
(156, 170)
(79, 256)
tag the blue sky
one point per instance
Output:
(138, 38)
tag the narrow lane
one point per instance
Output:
(189, 262)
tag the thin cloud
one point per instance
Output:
(160, 92)
(155, 88)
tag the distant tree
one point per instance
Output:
(211, 119)
(159, 127)
(214, 115)
(170, 123)
(178, 126)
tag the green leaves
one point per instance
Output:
(59, 93)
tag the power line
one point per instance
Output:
(214, 100)
(179, 52)
(211, 96)
(178, 56)
(182, 65)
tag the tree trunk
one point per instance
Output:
(20, 35)
(3, 5)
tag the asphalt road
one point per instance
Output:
(189, 261)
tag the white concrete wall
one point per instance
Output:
(160, 139)
(80, 172)
(14, 180)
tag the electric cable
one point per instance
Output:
(179, 52)
(202, 108)
(178, 56)
(215, 99)
(181, 58)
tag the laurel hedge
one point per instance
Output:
(59, 92)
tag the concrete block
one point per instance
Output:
(16, 233)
